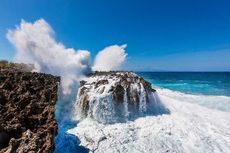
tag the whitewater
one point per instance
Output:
(196, 123)
(193, 126)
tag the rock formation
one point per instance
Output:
(115, 96)
(27, 106)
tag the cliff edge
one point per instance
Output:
(27, 110)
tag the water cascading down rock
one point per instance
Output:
(110, 97)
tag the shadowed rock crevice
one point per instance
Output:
(27, 106)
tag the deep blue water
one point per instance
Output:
(207, 83)
(65, 142)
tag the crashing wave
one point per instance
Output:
(111, 97)
(188, 128)
(211, 101)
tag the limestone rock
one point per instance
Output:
(27, 106)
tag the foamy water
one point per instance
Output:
(193, 125)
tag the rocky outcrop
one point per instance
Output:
(115, 96)
(27, 106)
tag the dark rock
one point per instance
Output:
(4, 139)
(27, 106)
(118, 93)
(114, 95)
(82, 82)
(101, 82)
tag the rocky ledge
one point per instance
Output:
(27, 107)
(115, 96)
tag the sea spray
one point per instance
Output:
(188, 128)
(110, 97)
(126, 111)
(35, 44)
(142, 97)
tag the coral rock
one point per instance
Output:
(27, 106)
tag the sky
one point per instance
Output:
(161, 35)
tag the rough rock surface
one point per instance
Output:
(114, 96)
(27, 106)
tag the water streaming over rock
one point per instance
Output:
(110, 97)
(126, 109)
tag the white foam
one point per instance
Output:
(102, 106)
(210, 101)
(142, 103)
(126, 104)
(189, 128)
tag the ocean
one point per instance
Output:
(198, 122)
(205, 83)
(210, 89)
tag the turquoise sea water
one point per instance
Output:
(206, 83)
(191, 83)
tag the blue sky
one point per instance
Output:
(178, 35)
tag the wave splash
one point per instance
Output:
(35, 44)
(221, 103)
(112, 97)
(188, 128)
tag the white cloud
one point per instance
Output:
(110, 58)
